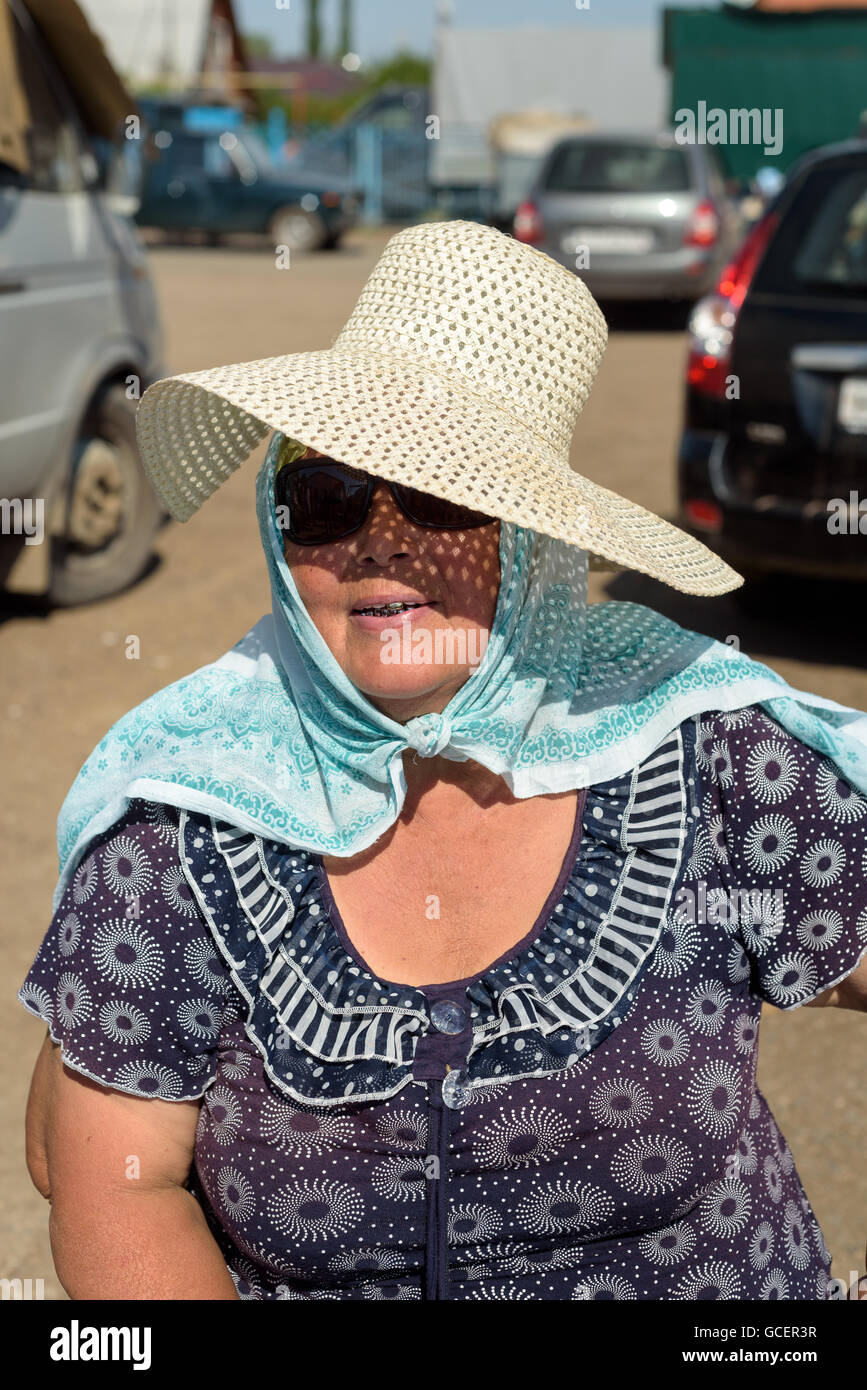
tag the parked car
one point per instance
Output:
(774, 448)
(78, 319)
(638, 216)
(221, 182)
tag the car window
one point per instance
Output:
(835, 247)
(821, 245)
(618, 167)
(187, 152)
(217, 160)
(253, 150)
(715, 173)
(55, 153)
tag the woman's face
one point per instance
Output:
(412, 662)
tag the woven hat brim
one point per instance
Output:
(411, 422)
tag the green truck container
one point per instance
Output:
(809, 67)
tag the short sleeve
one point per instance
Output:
(790, 837)
(128, 978)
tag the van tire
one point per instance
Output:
(112, 513)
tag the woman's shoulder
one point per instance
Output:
(747, 755)
(128, 977)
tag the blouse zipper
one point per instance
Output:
(436, 1242)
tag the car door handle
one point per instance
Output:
(830, 357)
(12, 286)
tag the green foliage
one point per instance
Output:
(407, 69)
(314, 30)
(259, 45)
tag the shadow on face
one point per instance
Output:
(411, 661)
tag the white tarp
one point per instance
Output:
(613, 76)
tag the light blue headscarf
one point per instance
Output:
(274, 738)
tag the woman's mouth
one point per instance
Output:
(380, 615)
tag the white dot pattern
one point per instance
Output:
(650, 1167)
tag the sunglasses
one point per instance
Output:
(327, 500)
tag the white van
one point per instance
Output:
(79, 328)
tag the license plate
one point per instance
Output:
(852, 404)
(608, 241)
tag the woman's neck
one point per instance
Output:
(446, 779)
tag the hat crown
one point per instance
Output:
(504, 319)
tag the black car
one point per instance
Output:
(773, 457)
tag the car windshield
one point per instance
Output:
(256, 150)
(618, 167)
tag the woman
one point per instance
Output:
(416, 947)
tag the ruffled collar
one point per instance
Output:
(332, 1033)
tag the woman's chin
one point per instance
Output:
(395, 685)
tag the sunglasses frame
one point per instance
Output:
(370, 480)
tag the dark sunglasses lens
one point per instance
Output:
(324, 501)
(425, 510)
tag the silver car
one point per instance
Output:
(637, 216)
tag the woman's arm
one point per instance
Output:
(851, 993)
(113, 1167)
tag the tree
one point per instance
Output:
(314, 33)
(407, 69)
(344, 42)
(259, 45)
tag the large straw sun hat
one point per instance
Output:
(461, 371)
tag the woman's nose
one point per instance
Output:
(386, 534)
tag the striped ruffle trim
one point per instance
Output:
(330, 1032)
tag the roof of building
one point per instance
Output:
(315, 75)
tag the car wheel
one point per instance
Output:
(297, 229)
(112, 512)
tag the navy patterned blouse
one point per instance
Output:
(579, 1121)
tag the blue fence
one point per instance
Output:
(389, 166)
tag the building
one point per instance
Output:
(191, 46)
(312, 75)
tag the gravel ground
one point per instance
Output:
(64, 680)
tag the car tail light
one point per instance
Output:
(703, 226)
(528, 225)
(713, 319)
(703, 515)
(735, 279)
(331, 199)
